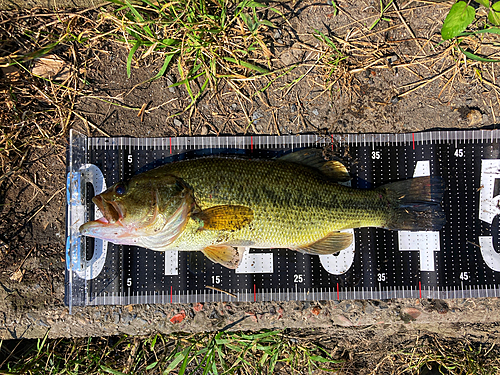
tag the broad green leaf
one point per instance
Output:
(494, 14)
(461, 15)
(476, 57)
(485, 3)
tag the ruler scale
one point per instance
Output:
(461, 260)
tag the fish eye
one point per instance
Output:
(120, 189)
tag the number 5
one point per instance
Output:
(488, 209)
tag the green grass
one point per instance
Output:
(264, 352)
(205, 40)
(213, 353)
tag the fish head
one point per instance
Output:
(138, 208)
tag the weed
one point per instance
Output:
(383, 9)
(332, 58)
(206, 40)
(460, 16)
(214, 353)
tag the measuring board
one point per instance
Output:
(461, 260)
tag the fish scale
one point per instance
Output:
(460, 260)
(292, 205)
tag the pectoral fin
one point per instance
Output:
(333, 243)
(228, 256)
(228, 217)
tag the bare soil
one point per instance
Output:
(388, 81)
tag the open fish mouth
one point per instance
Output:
(110, 210)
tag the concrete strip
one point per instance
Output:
(146, 319)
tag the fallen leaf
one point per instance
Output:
(51, 66)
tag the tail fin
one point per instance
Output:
(417, 204)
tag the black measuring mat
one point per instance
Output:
(461, 260)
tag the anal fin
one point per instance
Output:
(225, 255)
(332, 243)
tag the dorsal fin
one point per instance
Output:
(313, 158)
(332, 243)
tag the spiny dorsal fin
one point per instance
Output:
(226, 217)
(332, 243)
(225, 255)
(313, 158)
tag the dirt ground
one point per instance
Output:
(387, 80)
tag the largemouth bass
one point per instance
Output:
(220, 206)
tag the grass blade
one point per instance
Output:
(476, 57)
(131, 55)
(246, 65)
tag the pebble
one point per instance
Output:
(257, 115)
(170, 82)
(177, 122)
(413, 312)
(127, 318)
(293, 107)
(214, 315)
(204, 130)
(277, 34)
(315, 112)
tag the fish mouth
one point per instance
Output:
(110, 210)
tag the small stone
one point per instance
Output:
(198, 307)
(214, 315)
(316, 310)
(394, 99)
(170, 82)
(475, 117)
(413, 312)
(116, 318)
(257, 115)
(277, 34)
(252, 316)
(204, 130)
(343, 321)
(177, 122)
(293, 107)
(315, 112)
(468, 101)
(177, 318)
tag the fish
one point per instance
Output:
(223, 205)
